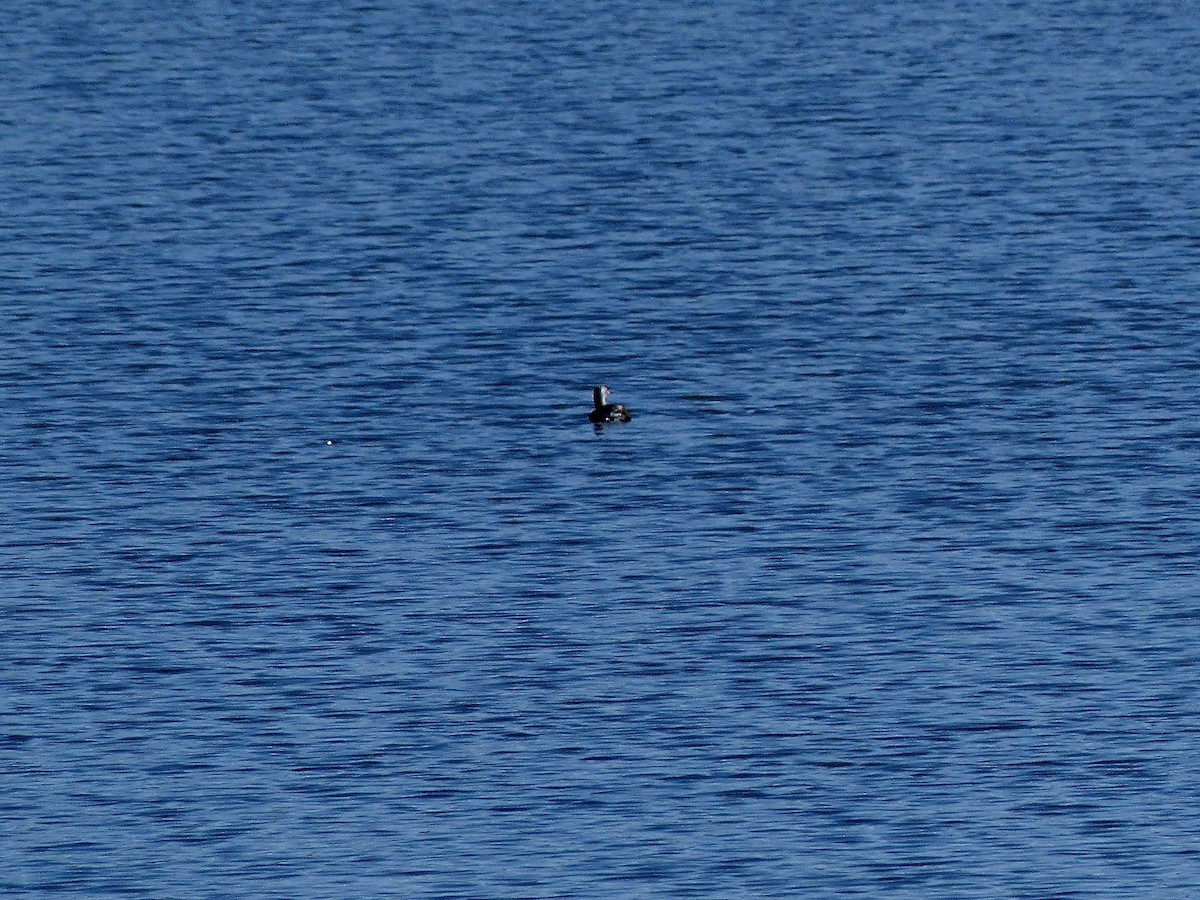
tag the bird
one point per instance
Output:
(605, 411)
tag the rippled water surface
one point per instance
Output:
(315, 581)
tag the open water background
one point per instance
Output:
(887, 591)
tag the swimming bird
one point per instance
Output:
(605, 411)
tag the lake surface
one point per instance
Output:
(316, 582)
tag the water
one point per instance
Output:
(315, 581)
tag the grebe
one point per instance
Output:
(605, 411)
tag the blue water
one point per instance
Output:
(315, 581)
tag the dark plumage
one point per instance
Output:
(605, 411)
